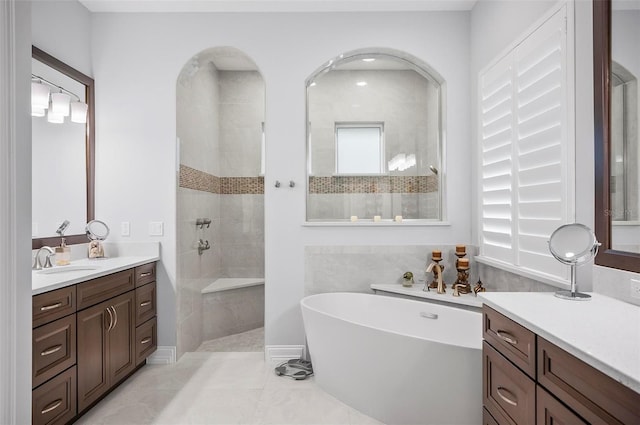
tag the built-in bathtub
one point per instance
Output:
(232, 305)
(397, 360)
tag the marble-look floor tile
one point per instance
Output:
(301, 406)
(220, 388)
(252, 340)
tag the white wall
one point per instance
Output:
(137, 58)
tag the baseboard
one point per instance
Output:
(284, 352)
(163, 355)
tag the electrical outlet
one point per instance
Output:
(635, 288)
(124, 229)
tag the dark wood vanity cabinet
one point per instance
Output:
(89, 337)
(107, 352)
(528, 380)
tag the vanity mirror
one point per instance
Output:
(63, 156)
(616, 32)
(374, 139)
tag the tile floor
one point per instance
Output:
(252, 340)
(220, 388)
(226, 382)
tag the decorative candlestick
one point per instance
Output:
(436, 257)
(462, 265)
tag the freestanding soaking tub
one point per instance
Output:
(399, 361)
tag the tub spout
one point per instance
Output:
(438, 271)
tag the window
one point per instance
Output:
(359, 148)
(526, 152)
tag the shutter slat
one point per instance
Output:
(540, 210)
(541, 192)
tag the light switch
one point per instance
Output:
(156, 228)
(124, 229)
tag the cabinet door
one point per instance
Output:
(93, 381)
(121, 338)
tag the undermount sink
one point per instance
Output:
(67, 269)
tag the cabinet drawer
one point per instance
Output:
(146, 340)
(97, 290)
(487, 419)
(550, 411)
(507, 391)
(589, 392)
(53, 305)
(145, 303)
(54, 402)
(54, 349)
(145, 274)
(512, 340)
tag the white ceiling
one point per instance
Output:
(276, 5)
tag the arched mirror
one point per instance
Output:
(375, 145)
(62, 151)
(616, 32)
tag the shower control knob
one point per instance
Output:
(292, 183)
(277, 183)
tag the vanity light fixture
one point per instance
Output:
(361, 83)
(59, 104)
(39, 98)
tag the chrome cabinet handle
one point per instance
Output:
(50, 306)
(52, 406)
(512, 402)
(506, 336)
(145, 274)
(115, 314)
(428, 315)
(110, 319)
(146, 340)
(145, 303)
(51, 350)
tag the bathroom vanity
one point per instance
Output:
(94, 324)
(548, 360)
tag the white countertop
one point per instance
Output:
(131, 255)
(416, 291)
(602, 332)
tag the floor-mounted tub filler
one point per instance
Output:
(399, 361)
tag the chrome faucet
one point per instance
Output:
(438, 270)
(37, 265)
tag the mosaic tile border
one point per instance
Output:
(373, 184)
(190, 178)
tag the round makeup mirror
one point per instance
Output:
(573, 244)
(97, 230)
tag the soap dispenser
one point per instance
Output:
(63, 252)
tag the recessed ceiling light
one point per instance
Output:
(312, 84)
(368, 59)
(361, 83)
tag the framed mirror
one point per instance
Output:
(63, 155)
(375, 139)
(616, 33)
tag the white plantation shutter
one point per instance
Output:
(526, 150)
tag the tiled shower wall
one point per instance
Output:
(355, 268)
(219, 125)
(407, 104)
